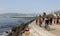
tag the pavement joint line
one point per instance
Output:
(41, 30)
(34, 32)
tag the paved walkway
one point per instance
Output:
(55, 29)
(35, 30)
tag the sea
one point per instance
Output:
(6, 24)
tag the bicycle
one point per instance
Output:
(47, 27)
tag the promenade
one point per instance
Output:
(55, 29)
(35, 30)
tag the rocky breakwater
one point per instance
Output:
(16, 31)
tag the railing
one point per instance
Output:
(20, 29)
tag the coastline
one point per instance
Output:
(19, 29)
(7, 24)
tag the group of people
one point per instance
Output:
(47, 21)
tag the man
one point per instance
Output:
(50, 21)
(46, 23)
(36, 20)
(40, 21)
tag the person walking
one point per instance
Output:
(50, 21)
(47, 24)
(40, 21)
(36, 20)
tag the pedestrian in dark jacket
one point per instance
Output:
(50, 21)
(36, 20)
(46, 23)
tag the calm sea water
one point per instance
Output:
(7, 23)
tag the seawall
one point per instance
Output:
(20, 29)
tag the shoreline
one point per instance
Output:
(14, 27)
(20, 28)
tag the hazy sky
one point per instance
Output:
(29, 6)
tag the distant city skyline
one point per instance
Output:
(29, 6)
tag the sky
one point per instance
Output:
(29, 6)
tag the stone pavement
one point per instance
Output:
(35, 30)
(55, 29)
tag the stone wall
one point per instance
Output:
(20, 29)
